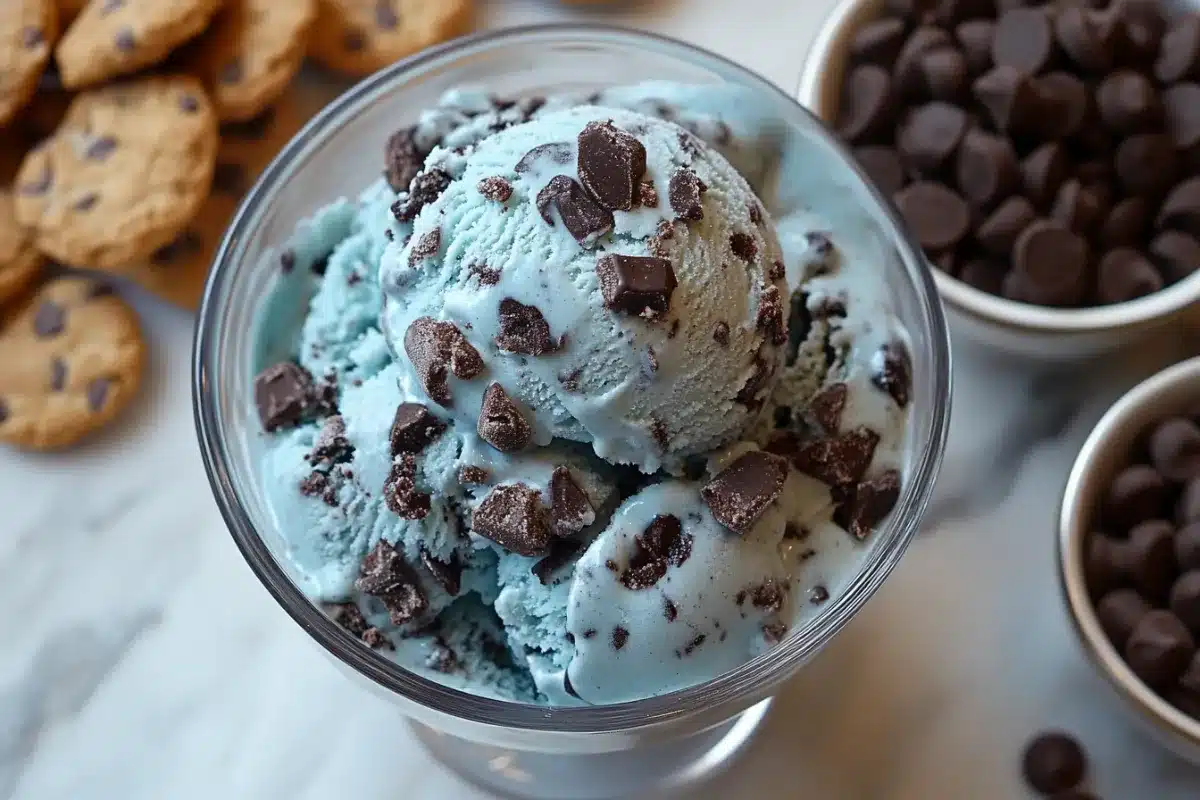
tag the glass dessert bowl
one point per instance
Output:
(250, 320)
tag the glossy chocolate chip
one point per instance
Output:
(937, 216)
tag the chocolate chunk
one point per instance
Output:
(999, 231)
(523, 330)
(561, 552)
(402, 160)
(426, 246)
(742, 245)
(1175, 449)
(438, 349)
(1085, 37)
(1159, 649)
(386, 575)
(1128, 103)
(1050, 266)
(637, 285)
(683, 193)
(377, 639)
(1147, 164)
(869, 504)
(944, 73)
(937, 216)
(721, 333)
(570, 509)
(760, 379)
(892, 372)
(1119, 612)
(448, 574)
(883, 168)
(49, 320)
(1043, 172)
(647, 195)
(426, 187)
(611, 164)
(331, 445)
(472, 475)
(1123, 275)
(558, 153)
(1150, 559)
(740, 494)
(284, 395)
(584, 219)
(1136, 494)
(513, 517)
(907, 76)
(975, 37)
(318, 485)
(840, 461)
(1053, 762)
(349, 617)
(930, 136)
(1181, 209)
(1177, 255)
(828, 405)
(619, 637)
(413, 428)
(1181, 115)
(400, 491)
(984, 274)
(1024, 40)
(767, 596)
(1077, 208)
(988, 170)
(1126, 223)
(867, 105)
(1179, 53)
(878, 41)
(662, 545)
(770, 318)
(495, 188)
(500, 421)
(1012, 102)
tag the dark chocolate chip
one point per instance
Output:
(1181, 115)
(386, 575)
(436, 350)
(740, 494)
(49, 320)
(413, 428)
(1128, 103)
(1185, 601)
(124, 40)
(353, 40)
(1136, 494)
(1119, 612)
(619, 637)
(1068, 103)
(930, 136)
(523, 330)
(97, 393)
(611, 164)
(1085, 37)
(426, 188)
(743, 246)
(495, 188)
(1146, 164)
(878, 41)
(840, 461)
(662, 545)
(1126, 223)
(513, 517)
(1125, 274)
(636, 285)
(1159, 649)
(1175, 449)
(58, 374)
(86, 201)
(1142, 27)
(39, 185)
(944, 73)
(386, 17)
(400, 490)
(883, 168)
(1012, 102)
(585, 219)
(284, 395)
(999, 231)
(1181, 209)
(570, 509)
(937, 215)
(1177, 255)
(231, 71)
(984, 274)
(1043, 172)
(1187, 540)
(684, 194)
(1077, 207)
(188, 104)
(1053, 762)
(867, 104)
(1179, 52)
(975, 37)
(1024, 40)
(100, 148)
(1150, 559)
(907, 77)
(988, 170)
(501, 423)
(1050, 266)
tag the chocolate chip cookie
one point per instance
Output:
(117, 37)
(357, 37)
(251, 52)
(27, 32)
(72, 361)
(128, 168)
(20, 262)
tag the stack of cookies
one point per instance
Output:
(129, 130)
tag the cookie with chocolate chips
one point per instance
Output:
(20, 263)
(73, 360)
(357, 37)
(251, 52)
(123, 175)
(118, 37)
(27, 31)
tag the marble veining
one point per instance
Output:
(141, 658)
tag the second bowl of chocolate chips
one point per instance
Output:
(1045, 155)
(1129, 552)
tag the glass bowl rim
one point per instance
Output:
(753, 678)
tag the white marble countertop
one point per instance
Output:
(141, 659)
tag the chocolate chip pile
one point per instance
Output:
(1142, 563)
(1048, 153)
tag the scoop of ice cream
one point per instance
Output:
(595, 275)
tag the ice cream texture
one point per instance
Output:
(572, 417)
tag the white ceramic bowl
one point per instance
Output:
(1105, 452)
(1015, 328)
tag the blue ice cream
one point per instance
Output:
(569, 418)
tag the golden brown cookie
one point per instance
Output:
(177, 271)
(27, 32)
(20, 262)
(357, 37)
(73, 359)
(251, 52)
(128, 168)
(116, 37)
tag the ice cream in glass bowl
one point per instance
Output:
(572, 388)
